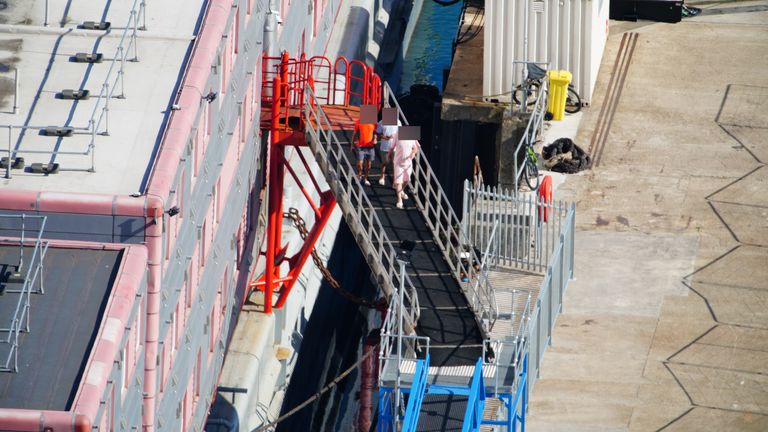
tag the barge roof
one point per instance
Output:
(43, 57)
(64, 324)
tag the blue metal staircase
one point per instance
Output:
(462, 406)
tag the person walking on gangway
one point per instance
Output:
(388, 135)
(364, 143)
(405, 150)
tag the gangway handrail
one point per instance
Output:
(356, 206)
(473, 415)
(482, 275)
(434, 206)
(516, 341)
(416, 396)
(412, 345)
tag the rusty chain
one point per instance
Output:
(301, 226)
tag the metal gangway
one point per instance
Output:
(440, 303)
(453, 343)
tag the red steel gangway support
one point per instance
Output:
(341, 87)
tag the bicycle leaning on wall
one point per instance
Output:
(528, 91)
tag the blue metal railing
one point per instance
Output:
(386, 421)
(416, 397)
(473, 416)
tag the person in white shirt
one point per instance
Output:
(405, 152)
(388, 134)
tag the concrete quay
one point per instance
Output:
(666, 324)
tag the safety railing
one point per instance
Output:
(531, 132)
(473, 415)
(504, 352)
(516, 359)
(516, 401)
(550, 299)
(46, 10)
(395, 346)
(482, 283)
(528, 225)
(98, 122)
(29, 274)
(343, 82)
(360, 214)
(416, 396)
(525, 82)
(434, 206)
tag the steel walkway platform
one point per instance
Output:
(445, 316)
(449, 338)
(449, 317)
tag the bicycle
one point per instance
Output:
(529, 90)
(531, 169)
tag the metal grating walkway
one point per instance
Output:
(445, 315)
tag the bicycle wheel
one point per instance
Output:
(533, 92)
(572, 101)
(531, 174)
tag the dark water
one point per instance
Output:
(431, 46)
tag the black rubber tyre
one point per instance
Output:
(533, 92)
(531, 174)
(572, 102)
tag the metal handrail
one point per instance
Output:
(473, 414)
(532, 130)
(482, 276)
(432, 202)
(528, 230)
(524, 74)
(34, 270)
(517, 341)
(413, 345)
(356, 206)
(550, 297)
(106, 92)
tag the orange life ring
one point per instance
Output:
(545, 197)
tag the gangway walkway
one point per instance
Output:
(445, 338)
(445, 316)
(454, 316)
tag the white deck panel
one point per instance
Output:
(42, 56)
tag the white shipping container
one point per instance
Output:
(566, 34)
